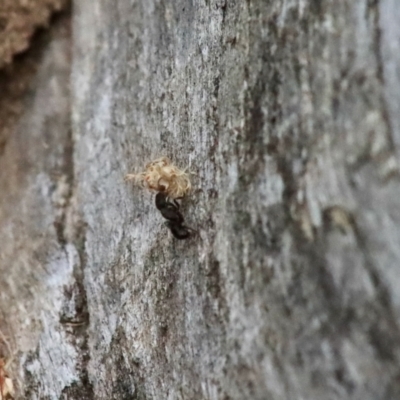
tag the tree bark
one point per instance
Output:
(18, 21)
(287, 113)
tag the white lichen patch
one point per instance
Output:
(162, 175)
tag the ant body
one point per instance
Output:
(178, 230)
(170, 211)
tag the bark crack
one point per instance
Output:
(387, 152)
(71, 230)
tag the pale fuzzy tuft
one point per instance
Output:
(163, 176)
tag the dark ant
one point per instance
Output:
(178, 230)
(170, 211)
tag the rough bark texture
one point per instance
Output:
(288, 114)
(18, 21)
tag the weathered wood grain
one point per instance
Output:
(287, 113)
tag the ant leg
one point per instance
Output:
(176, 203)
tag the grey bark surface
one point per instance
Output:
(288, 114)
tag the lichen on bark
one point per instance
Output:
(286, 114)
